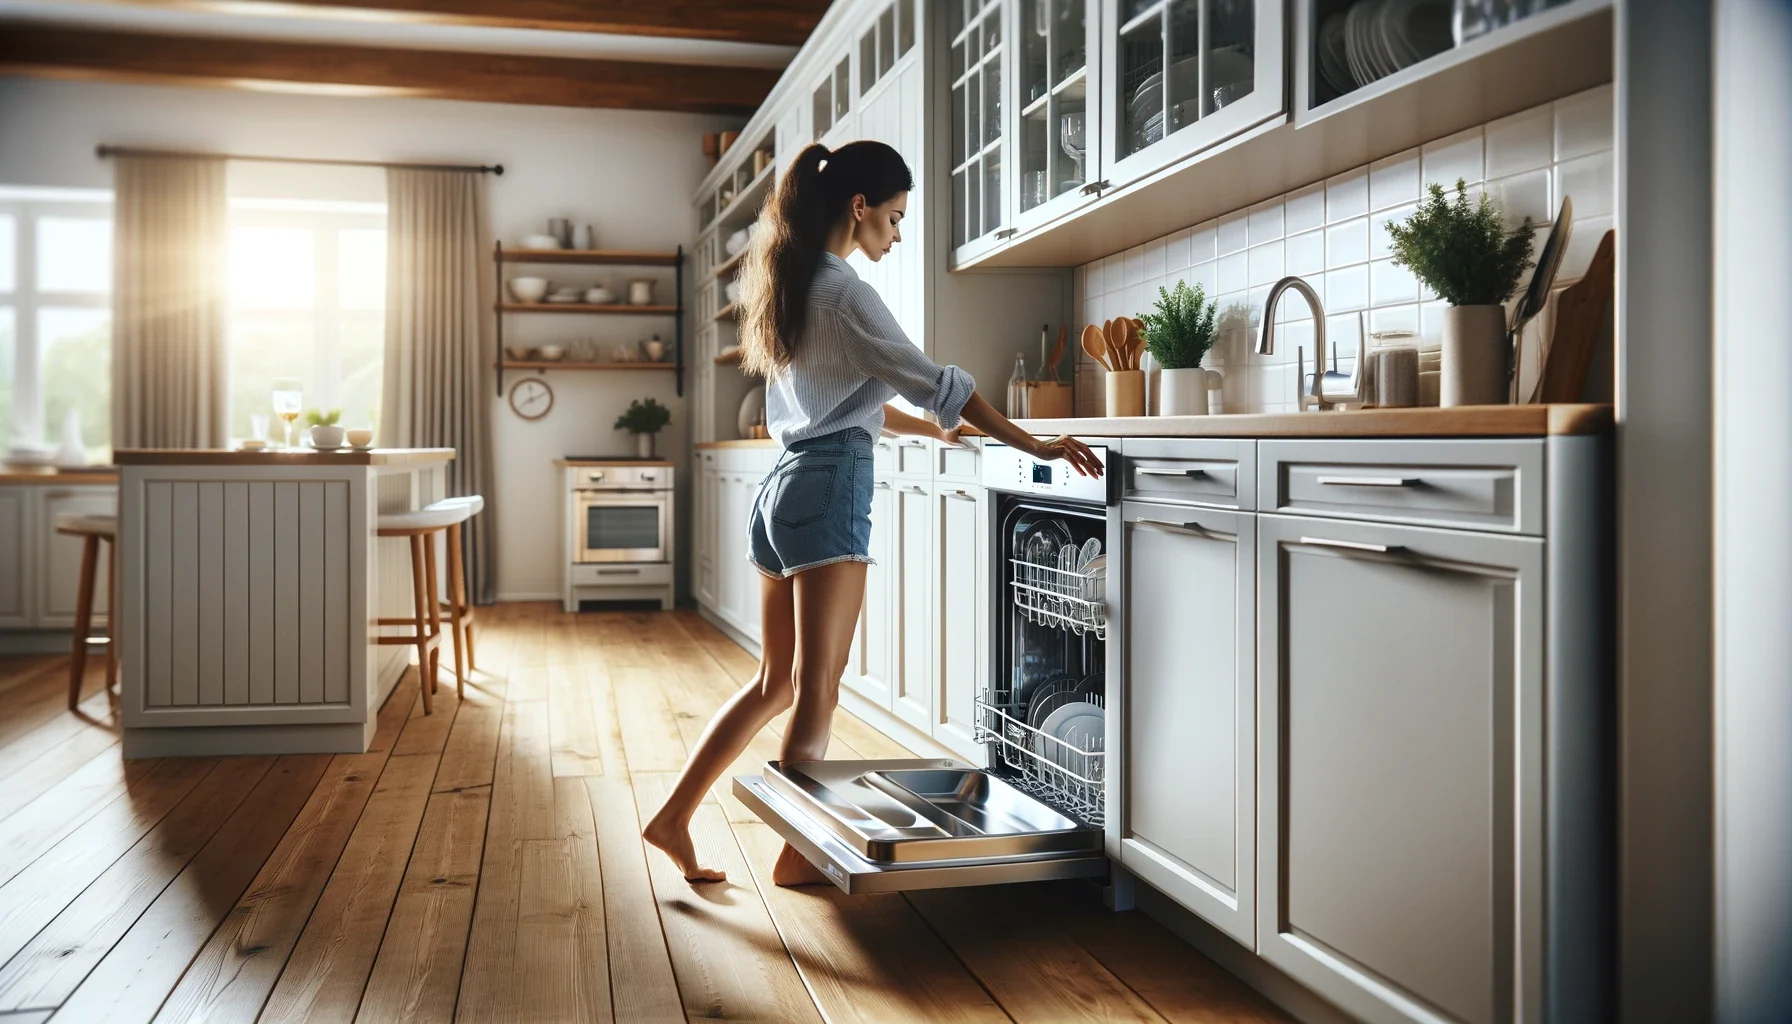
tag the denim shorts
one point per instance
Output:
(814, 507)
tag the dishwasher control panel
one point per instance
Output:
(1007, 469)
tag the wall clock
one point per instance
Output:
(531, 398)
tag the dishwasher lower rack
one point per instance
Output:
(1068, 777)
(1052, 596)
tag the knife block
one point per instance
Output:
(1050, 400)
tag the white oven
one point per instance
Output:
(622, 514)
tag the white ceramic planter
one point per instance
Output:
(1182, 392)
(326, 437)
(1473, 368)
(644, 446)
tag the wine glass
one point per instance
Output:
(1070, 137)
(288, 400)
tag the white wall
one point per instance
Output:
(630, 174)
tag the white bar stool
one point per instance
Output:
(92, 530)
(420, 526)
(460, 610)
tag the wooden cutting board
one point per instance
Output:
(1580, 316)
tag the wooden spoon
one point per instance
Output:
(1138, 341)
(1123, 341)
(1057, 353)
(1095, 345)
(1111, 334)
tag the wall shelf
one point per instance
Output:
(733, 261)
(562, 364)
(726, 312)
(730, 356)
(613, 308)
(614, 257)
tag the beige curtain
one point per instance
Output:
(169, 360)
(438, 366)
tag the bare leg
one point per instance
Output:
(827, 599)
(762, 699)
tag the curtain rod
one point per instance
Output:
(104, 151)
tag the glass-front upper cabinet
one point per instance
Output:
(1056, 143)
(830, 105)
(1179, 76)
(978, 207)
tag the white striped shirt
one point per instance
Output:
(851, 358)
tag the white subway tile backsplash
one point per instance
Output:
(1304, 209)
(1589, 182)
(1458, 157)
(1266, 222)
(1389, 283)
(1079, 280)
(1347, 243)
(1347, 195)
(1524, 195)
(1265, 263)
(1394, 180)
(1583, 123)
(1233, 232)
(1333, 234)
(1523, 142)
(1304, 254)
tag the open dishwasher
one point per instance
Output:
(1035, 809)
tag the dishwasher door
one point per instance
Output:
(918, 823)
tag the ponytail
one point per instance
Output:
(811, 197)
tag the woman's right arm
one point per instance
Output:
(980, 414)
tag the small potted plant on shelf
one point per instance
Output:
(1464, 253)
(1178, 334)
(644, 419)
(324, 431)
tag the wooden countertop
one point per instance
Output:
(303, 457)
(1458, 421)
(620, 460)
(750, 442)
(52, 477)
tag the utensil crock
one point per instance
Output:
(1125, 392)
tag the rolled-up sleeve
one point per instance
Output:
(876, 346)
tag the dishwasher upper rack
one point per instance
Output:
(1075, 787)
(1051, 596)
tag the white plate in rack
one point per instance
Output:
(1079, 724)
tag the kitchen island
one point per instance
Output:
(249, 587)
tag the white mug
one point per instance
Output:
(640, 293)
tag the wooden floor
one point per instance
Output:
(484, 864)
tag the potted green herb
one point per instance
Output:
(324, 431)
(1178, 334)
(1464, 253)
(644, 419)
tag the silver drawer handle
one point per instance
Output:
(1351, 545)
(960, 493)
(1196, 527)
(914, 489)
(1166, 471)
(619, 572)
(918, 443)
(1368, 481)
(885, 484)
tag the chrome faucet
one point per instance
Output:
(1327, 387)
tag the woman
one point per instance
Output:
(832, 355)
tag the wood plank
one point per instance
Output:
(211, 592)
(29, 832)
(47, 754)
(416, 974)
(788, 22)
(472, 746)
(261, 592)
(561, 954)
(649, 732)
(329, 966)
(725, 951)
(869, 959)
(236, 592)
(642, 984)
(311, 609)
(136, 974)
(49, 967)
(573, 723)
(287, 573)
(234, 972)
(158, 530)
(1032, 969)
(183, 593)
(337, 653)
(425, 734)
(44, 888)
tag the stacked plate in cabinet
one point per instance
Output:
(1376, 38)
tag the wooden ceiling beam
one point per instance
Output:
(434, 74)
(782, 22)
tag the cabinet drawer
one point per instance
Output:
(1484, 485)
(883, 455)
(656, 574)
(954, 462)
(914, 457)
(1206, 472)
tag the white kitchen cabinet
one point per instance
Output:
(734, 500)
(911, 695)
(874, 643)
(15, 557)
(892, 113)
(1224, 61)
(974, 64)
(703, 530)
(59, 568)
(1055, 129)
(1189, 709)
(1401, 803)
(960, 589)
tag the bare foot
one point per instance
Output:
(674, 839)
(793, 869)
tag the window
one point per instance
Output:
(307, 300)
(55, 316)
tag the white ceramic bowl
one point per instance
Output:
(550, 352)
(528, 289)
(518, 352)
(540, 242)
(599, 296)
(360, 437)
(326, 437)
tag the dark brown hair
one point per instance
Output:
(814, 193)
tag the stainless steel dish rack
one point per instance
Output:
(1052, 769)
(1053, 596)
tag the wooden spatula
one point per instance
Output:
(1095, 345)
(1051, 360)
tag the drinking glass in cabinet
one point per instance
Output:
(1231, 58)
(992, 190)
(992, 101)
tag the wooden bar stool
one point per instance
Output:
(92, 530)
(421, 526)
(460, 610)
